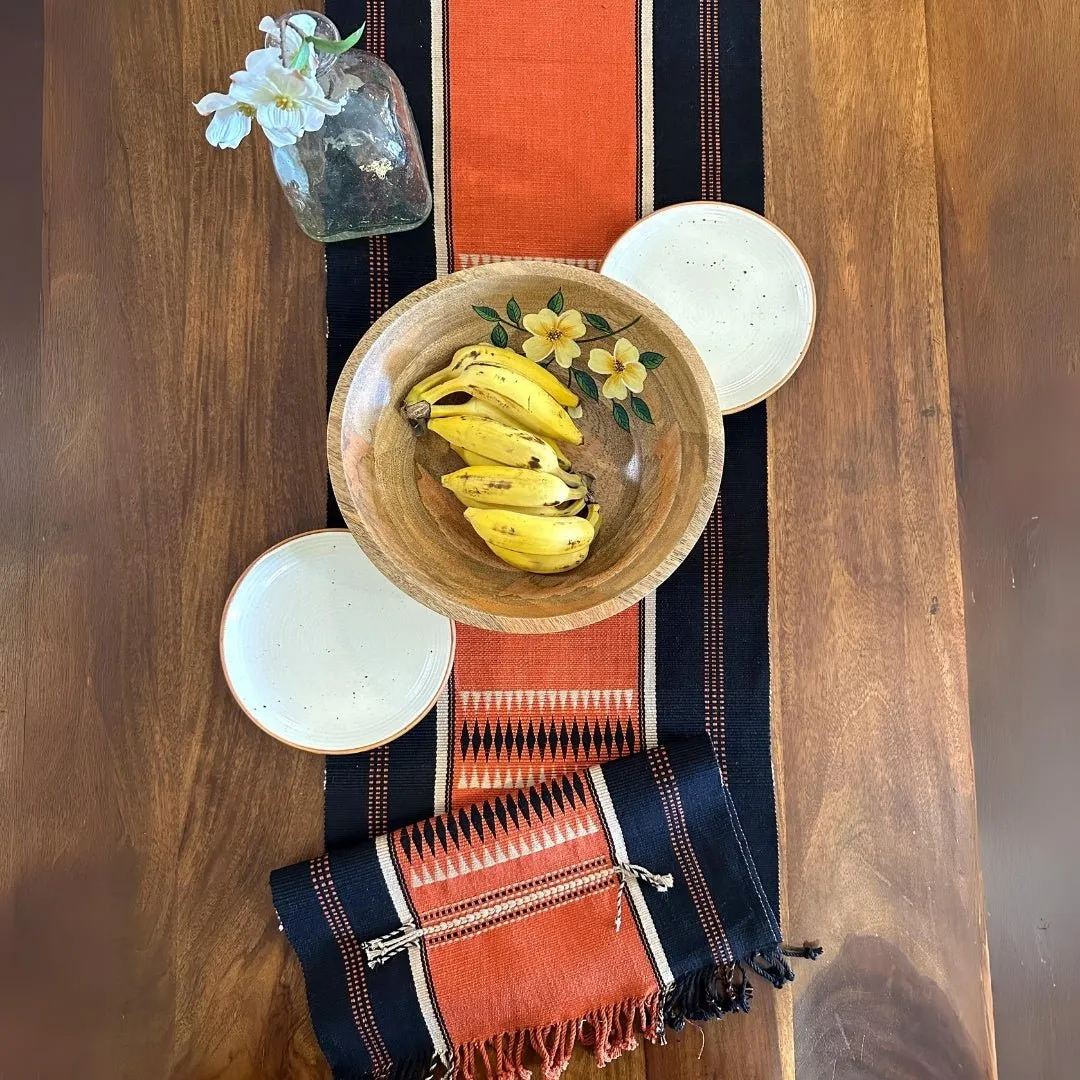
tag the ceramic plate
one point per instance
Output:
(736, 285)
(323, 653)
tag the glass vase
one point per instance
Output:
(362, 173)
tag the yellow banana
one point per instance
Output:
(569, 509)
(496, 442)
(503, 485)
(507, 358)
(528, 534)
(592, 515)
(470, 458)
(564, 461)
(540, 564)
(429, 383)
(525, 403)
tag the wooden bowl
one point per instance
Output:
(656, 456)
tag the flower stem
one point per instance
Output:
(612, 333)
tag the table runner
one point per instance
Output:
(548, 129)
(596, 907)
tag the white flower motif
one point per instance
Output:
(297, 28)
(231, 122)
(286, 103)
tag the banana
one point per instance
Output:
(569, 509)
(503, 485)
(564, 461)
(525, 403)
(472, 459)
(496, 442)
(507, 358)
(429, 383)
(530, 535)
(592, 515)
(540, 564)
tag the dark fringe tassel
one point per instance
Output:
(711, 993)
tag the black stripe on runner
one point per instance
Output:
(677, 150)
(744, 491)
(408, 263)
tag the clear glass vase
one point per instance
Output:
(362, 173)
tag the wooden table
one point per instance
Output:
(161, 408)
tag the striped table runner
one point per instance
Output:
(548, 130)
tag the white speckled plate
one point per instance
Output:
(734, 282)
(323, 653)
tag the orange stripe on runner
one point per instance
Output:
(543, 139)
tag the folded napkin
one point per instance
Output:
(613, 902)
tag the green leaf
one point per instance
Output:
(651, 360)
(303, 54)
(586, 383)
(641, 410)
(488, 313)
(621, 416)
(324, 45)
(556, 303)
(498, 336)
(513, 311)
(598, 322)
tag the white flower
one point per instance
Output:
(231, 122)
(296, 29)
(286, 103)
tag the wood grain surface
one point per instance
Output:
(162, 409)
(1007, 131)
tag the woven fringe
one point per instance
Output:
(609, 1032)
(706, 994)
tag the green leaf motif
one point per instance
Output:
(586, 383)
(513, 311)
(336, 48)
(556, 303)
(498, 337)
(488, 313)
(621, 416)
(300, 59)
(598, 322)
(651, 360)
(641, 410)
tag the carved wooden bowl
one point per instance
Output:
(656, 455)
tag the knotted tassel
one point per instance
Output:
(380, 949)
(660, 882)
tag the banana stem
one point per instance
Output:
(417, 413)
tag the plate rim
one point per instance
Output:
(273, 734)
(750, 403)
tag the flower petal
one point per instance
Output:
(565, 351)
(634, 376)
(613, 387)
(255, 92)
(312, 118)
(571, 324)
(323, 104)
(540, 324)
(601, 361)
(228, 128)
(282, 126)
(625, 353)
(209, 103)
(537, 348)
(259, 61)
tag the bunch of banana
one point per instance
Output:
(521, 492)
